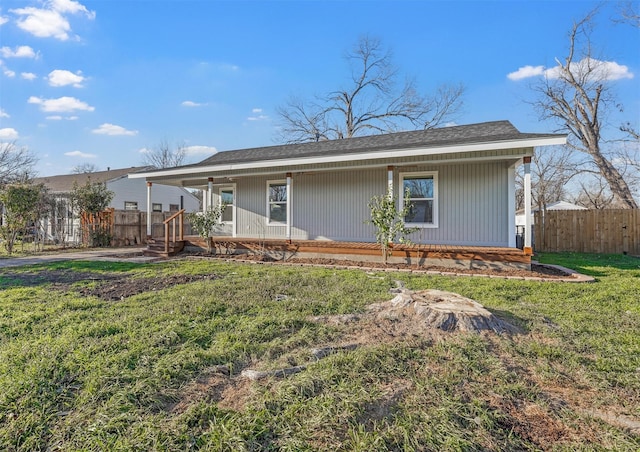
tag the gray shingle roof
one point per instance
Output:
(446, 136)
(64, 183)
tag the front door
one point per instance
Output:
(227, 195)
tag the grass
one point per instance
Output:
(78, 373)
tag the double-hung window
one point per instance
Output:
(226, 197)
(422, 190)
(277, 202)
(131, 205)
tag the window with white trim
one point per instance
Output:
(277, 202)
(226, 197)
(130, 205)
(422, 189)
(156, 207)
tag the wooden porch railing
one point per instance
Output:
(170, 223)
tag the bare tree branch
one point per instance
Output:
(163, 156)
(629, 14)
(551, 170)
(16, 164)
(577, 96)
(85, 168)
(372, 103)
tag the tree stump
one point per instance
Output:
(446, 311)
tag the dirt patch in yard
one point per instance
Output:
(125, 287)
(106, 286)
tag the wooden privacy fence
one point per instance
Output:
(613, 231)
(130, 226)
(93, 226)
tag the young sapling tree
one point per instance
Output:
(389, 222)
(205, 222)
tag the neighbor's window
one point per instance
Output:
(156, 207)
(277, 202)
(226, 196)
(174, 207)
(130, 205)
(423, 195)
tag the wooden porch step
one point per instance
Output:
(156, 247)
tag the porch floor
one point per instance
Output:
(422, 254)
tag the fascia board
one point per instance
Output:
(398, 153)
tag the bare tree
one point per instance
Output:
(16, 164)
(577, 96)
(163, 156)
(629, 14)
(551, 170)
(595, 195)
(85, 168)
(372, 103)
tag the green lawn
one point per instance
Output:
(79, 373)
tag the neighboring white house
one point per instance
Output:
(129, 194)
(558, 205)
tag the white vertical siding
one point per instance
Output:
(473, 204)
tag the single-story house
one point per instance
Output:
(461, 182)
(129, 194)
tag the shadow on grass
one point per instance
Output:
(12, 278)
(521, 324)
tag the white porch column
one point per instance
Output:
(527, 206)
(390, 180)
(149, 210)
(209, 202)
(289, 202)
(511, 206)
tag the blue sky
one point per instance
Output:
(100, 81)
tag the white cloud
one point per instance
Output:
(60, 118)
(257, 115)
(28, 75)
(258, 118)
(587, 67)
(594, 69)
(18, 52)
(189, 103)
(8, 134)
(83, 155)
(60, 105)
(71, 6)
(50, 21)
(6, 71)
(113, 130)
(199, 150)
(526, 72)
(3, 20)
(60, 77)
(145, 151)
(4, 114)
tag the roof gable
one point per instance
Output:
(64, 183)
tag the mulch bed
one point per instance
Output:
(537, 270)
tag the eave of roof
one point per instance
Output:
(471, 138)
